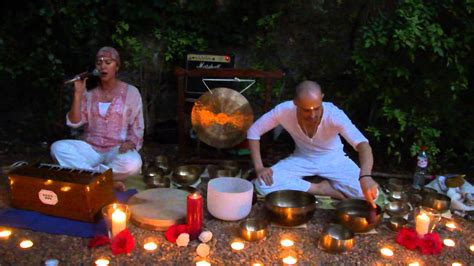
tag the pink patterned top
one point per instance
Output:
(122, 122)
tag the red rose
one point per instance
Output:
(174, 231)
(123, 243)
(98, 241)
(408, 238)
(431, 244)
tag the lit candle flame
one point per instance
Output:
(287, 242)
(26, 244)
(290, 260)
(102, 262)
(415, 263)
(5, 233)
(456, 264)
(203, 263)
(386, 252)
(237, 245)
(471, 248)
(449, 242)
(451, 225)
(150, 246)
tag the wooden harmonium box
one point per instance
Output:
(53, 190)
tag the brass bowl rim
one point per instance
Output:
(397, 222)
(260, 223)
(328, 230)
(270, 200)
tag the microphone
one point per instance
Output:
(93, 73)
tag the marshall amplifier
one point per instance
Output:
(195, 86)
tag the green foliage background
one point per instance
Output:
(401, 69)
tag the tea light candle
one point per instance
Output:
(471, 248)
(237, 245)
(449, 242)
(203, 263)
(386, 253)
(119, 222)
(26, 244)
(422, 224)
(456, 264)
(150, 246)
(451, 226)
(102, 262)
(287, 242)
(194, 215)
(257, 263)
(415, 263)
(290, 260)
(5, 234)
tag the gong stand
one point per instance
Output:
(182, 74)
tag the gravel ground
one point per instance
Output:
(73, 251)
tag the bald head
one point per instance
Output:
(307, 88)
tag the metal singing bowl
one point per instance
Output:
(290, 207)
(253, 229)
(156, 179)
(436, 201)
(186, 175)
(397, 223)
(358, 215)
(397, 208)
(335, 238)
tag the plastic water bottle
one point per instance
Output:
(421, 166)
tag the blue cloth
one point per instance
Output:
(36, 221)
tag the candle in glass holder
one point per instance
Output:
(119, 222)
(5, 233)
(26, 244)
(422, 224)
(203, 263)
(237, 245)
(287, 242)
(386, 252)
(194, 215)
(102, 262)
(449, 242)
(290, 260)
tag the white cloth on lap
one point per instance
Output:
(462, 198)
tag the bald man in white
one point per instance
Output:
(316, 127)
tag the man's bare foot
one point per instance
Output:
(325, 188)
(119, 186)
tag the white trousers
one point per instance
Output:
(340, 170)
(80, 155)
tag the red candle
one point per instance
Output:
(194, 215)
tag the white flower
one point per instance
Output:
(182, 240)
(203, 250)
(205, 236)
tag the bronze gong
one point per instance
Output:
(221, 118)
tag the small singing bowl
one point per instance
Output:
(335, 238)
(290, 207)
(185, 175)
(162, 159)
(397, 223)
(164, 166)
(153, 180)
(253, 229)
(358, 215)
(397, 208)
(439, 202)
(395, 185)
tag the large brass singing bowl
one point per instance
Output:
(358, 215)
(439, 202)
(335, 238)
(221, 117)
(186, 175)
(290, 207)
